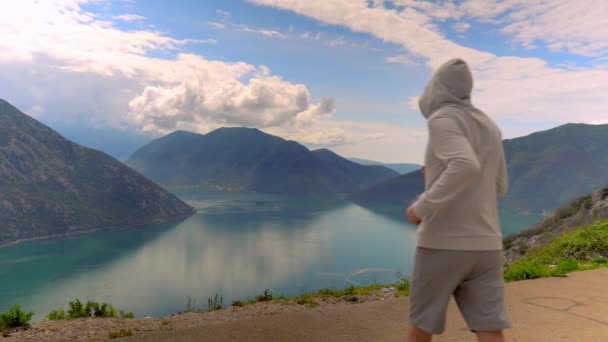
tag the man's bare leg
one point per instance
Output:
(417, 335)
(490, 336)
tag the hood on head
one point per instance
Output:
(452, 83)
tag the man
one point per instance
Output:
(459, 250)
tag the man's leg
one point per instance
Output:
(490, 336)
(417, 335)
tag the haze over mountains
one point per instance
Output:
(546, 170)
(52, 186)
(402, 168)
(247, 159)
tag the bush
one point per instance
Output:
(403, 286)
(120, 333)
(90, 309)
(57, 315)
(214, 305)
(190, 304)
(523, 270)
(565, 266)
(600, 261)
(264, 297)
(238, 303)
(124, 314)
(15, 318)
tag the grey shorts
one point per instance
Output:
(474, 278)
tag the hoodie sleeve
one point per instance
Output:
(502, 180)
(449, 144)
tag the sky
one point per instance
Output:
(341, 74)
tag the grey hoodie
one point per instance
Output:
(465, 167)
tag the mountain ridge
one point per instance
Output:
(247, 159)
(547, 169)
(52, 186)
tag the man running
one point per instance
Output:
(459, 250)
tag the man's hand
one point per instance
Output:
(412, 216)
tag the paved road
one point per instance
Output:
(554, 309)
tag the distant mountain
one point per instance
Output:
(51, 186)
(546, 170)
(549, 169)
(402, 168)
(398, 191)
(247, 159)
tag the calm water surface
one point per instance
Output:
(231, 247)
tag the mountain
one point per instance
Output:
(399, 191)
(52, 186)
(402, 168)
(549, 169)
(247, 159)
(546, 169)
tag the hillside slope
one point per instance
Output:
(581, 212)
(50, 186)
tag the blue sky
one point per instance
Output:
(328, 73)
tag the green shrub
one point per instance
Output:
(264, 297)
(190, 304)
(124, 314)
(600, 261)
(403, 286)
(237, 303)
(214, 304)
(565, 266)
(15, 318)
(307, 300)
(90, 309)
(57, 315)
(76, 309)
(120, 333)
(524, 270)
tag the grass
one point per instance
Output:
(120, 333)
(214, 304)
(15, 318)
(89, 309)
(582, 248)
(190, 304)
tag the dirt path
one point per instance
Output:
(553, 309)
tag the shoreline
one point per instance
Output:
(158, 220)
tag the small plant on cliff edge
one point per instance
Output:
(15, 318)
(264, 297)
(214, 304)
(190, 304)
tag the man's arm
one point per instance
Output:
(502, 181)
(448, 143)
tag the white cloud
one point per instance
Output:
(507, 87)
(224, 14)
(102, 70)
(264, 32)
(400, 59)
(129, 17)
(338, 41)
(462, 26)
